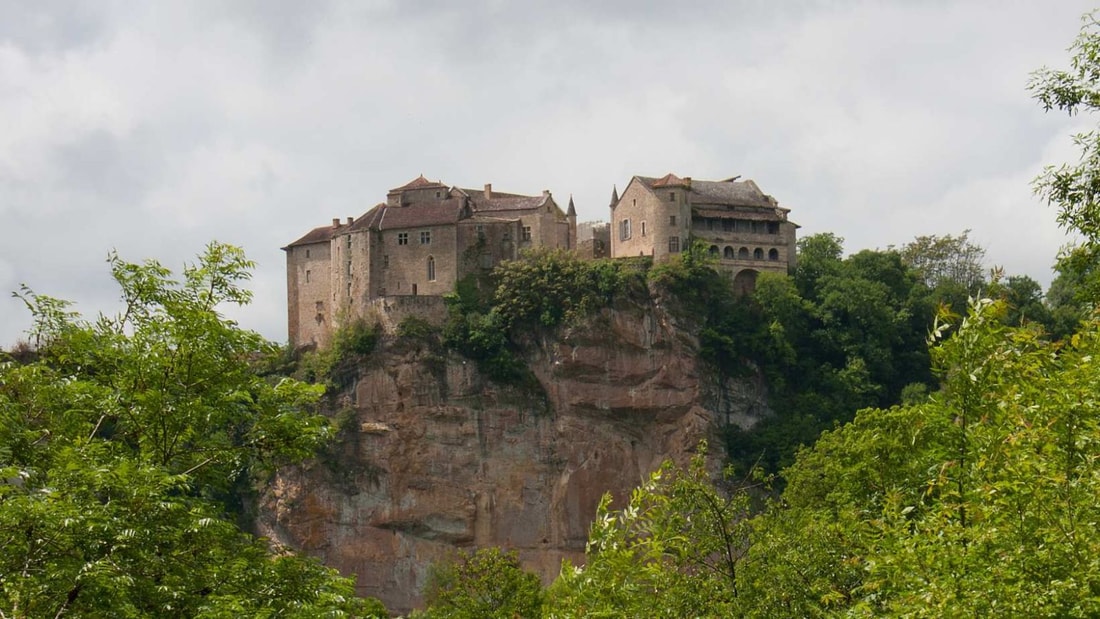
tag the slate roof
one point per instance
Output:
(729, 192)
(500, 201)
(316, 235)
(418, 183)
(383, 217)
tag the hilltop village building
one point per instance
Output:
(742, 226)
(411, 250)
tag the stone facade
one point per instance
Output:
(419, 242)
(743, 227)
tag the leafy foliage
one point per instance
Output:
(336, 364)
(126, 444)
(674, 551)
(485, 585)
(543, 289)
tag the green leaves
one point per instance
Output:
(125, 444)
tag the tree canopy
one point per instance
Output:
(126, 445)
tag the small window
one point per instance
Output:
(431, 269)
(480, 232)
(624, 230)
(672, 220)
(402, 238)
(672, 196)
(526, 233)
(349, 241)
(425, 237)
(385, 261)
(307, 253)
(728, 253)
(773, 227)
(758, 254)
(743, 253)
(643, 228)
(349, 289)
(773, 254)
(349, 267)
(506, 235)
(307, 277)
(320, 305)
(437, 195)
(673, 244)
(727, 225)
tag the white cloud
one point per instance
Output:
(155, 128)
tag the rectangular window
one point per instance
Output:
(425, 237)
(349, 289)
(672, 196)
(506, 235)
(385, 261)
(672, 220)
(673, 244)
(307, 253)
(349, 267)
(349, 241)
(773, 227)
(643, 228)
(402, 238)
(526, 233)
(307, 277)
(624, 230)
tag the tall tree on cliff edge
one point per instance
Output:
(124, 444)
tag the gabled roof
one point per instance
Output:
(316, 235)
(670, 180)
(500, 201)
(383, 217)
(418, 183)
(729, 192)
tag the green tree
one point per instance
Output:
(125, 449)
(674, 551)
(1075, 188)
(488, 584)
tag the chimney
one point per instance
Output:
(350, 219)
(546, 193)
(335, 222)
(687, 181)
(488, 191)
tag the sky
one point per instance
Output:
(153, 128)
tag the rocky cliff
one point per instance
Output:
(434, 457)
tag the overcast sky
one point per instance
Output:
(153, 128)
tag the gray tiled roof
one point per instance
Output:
(316, 235)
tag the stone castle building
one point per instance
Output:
(742, 226)
(403, 255)
(410, 250)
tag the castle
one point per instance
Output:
(404, 254)
(744, 228)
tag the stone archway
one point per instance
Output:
(744, 283)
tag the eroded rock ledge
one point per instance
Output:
(436, 457)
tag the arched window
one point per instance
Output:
(431, 268)
(714, 250)
(773, 254)
(728, 253)
(758, 254)
(743, 253)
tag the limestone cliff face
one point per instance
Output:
(437, 458)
